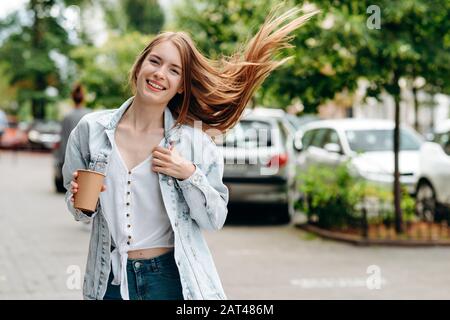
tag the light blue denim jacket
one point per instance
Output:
(196, 203)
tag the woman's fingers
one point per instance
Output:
(74, 188)
(158, 162)
(162, 156)
(74, 184)
(162, 150)
(103, 188)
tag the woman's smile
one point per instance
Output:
(152, 85)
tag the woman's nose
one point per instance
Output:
(160, 73)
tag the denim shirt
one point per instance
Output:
(196, 203)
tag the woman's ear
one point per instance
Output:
(180, 91)
(136, 73)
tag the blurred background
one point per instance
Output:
(358, 151)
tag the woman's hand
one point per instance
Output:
(74, 186)
(171, 163)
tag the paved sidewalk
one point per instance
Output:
(43, 252)
(39, 238)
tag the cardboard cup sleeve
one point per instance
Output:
(89, 186)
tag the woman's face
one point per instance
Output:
(160, 75)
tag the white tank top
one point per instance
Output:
(134, 210)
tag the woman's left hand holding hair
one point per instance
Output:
(171, 163)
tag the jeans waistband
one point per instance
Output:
(159, 259)
(165, 261)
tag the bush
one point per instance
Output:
(334, 198)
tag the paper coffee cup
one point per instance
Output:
(89, 186)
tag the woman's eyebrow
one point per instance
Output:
(158, 57)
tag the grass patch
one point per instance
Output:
(309, 236)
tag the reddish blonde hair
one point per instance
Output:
(217, 91)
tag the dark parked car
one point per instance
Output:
(259, 161)
(44, 134)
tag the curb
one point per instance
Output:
(360, 241)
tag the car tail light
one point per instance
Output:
(56, 145)
(278, 160)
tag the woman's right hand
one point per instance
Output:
(74, 186)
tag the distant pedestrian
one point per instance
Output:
(146, 238)
(3, 124)
(71, 120)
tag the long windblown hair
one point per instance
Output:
(217, 91)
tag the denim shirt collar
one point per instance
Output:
(110, 121)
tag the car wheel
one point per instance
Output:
(293, 197)
(426, 204)
(283, 217)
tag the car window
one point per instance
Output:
(50, 126)
(443, 139)
(250, 134)
(307, 138)
(283, 131)
(332, 137)
(319, 138)
(380, 140)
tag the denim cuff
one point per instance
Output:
(194, 180)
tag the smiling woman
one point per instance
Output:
(157, 195)
(164, 59)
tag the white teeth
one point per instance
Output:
(155, 85)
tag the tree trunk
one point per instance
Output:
(397, 191)
(38, 103)
(416, 109)
(38, 108)
(432, 113)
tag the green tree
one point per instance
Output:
(411, 41)
(430, 37)
(9, 93)
(314, 75)
(32, 51)
(104, 70)
(217, 26)
(145, 16)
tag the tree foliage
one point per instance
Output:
(144, 16)
(32, 51)
(104, 70)
(314, 75)
(336, 48)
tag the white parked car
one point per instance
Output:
(367, 144)
(433, 186)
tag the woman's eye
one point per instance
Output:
(175, 71)
(153, 61)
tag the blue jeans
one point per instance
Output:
(150, 279)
